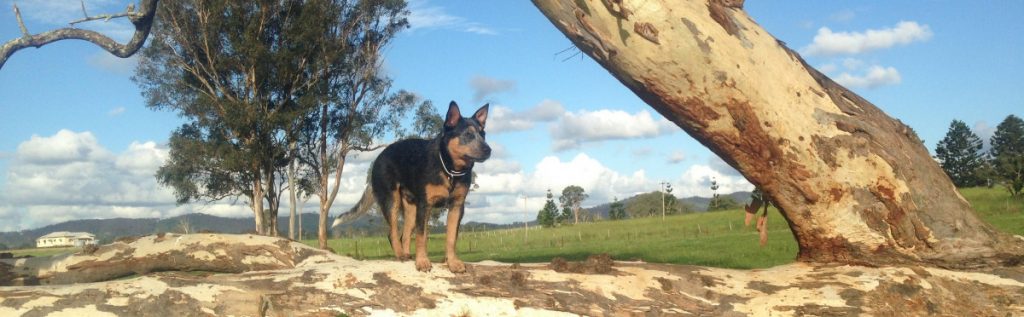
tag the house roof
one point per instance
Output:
(66, 234)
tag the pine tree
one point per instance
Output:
(1007, 154)
(617, 210)
(547, 216)
(959, 154)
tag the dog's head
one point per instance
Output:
(465, 137)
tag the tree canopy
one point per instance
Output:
(959, 154)
(1007, 154)
(253, 78)
(572, 197)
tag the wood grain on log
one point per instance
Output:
(855, 185)
(318, 283)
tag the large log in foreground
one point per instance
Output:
(855, 185)
(274, 277)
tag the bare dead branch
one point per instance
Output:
(142, 20)
(21, 23)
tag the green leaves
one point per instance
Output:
(959, 154)
(1008, 154)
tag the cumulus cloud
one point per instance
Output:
(577, 128)
(484, 86)
(69, 175)
(64, 147)
(423, 15)
(875, 76)
(500, 196)
(827, 42)
(696, 181)
(504, 119)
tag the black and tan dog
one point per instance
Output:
(413, 176)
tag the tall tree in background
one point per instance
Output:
(352, 102)
(1008, 154)
(235, 71)
(572, 197)
(959, 154)
(548, 215)
(616, 210)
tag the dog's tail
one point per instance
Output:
(361, 208)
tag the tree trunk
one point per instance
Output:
(273, 202)
(246, 275)
(855, 185)
(257, 204)
(291, 192)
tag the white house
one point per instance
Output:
(66, 239)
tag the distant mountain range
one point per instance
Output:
(107, 230)
(699, 204)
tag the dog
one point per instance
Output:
(413, 176)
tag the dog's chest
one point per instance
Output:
(445, 193)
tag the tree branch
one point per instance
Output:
(143, 21)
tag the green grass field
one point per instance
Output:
(708, 239)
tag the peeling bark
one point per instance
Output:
(855, 185)
(248, 275)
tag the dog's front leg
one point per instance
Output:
(454, 221)
(422, 214)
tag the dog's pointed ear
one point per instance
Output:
(452, 119)
(481, 115)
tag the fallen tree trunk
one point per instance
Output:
(262, 280)
(855, 185)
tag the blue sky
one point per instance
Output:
(78, 142)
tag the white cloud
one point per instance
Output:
(500, 196)
(425, 16)
(503, 119)
(875, 76)
(676, 157)
(827, 42)
(593, 126)
(696, 181)
(64, 147)
(69, 175)
(484, 86)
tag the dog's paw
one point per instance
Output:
(423, 264)
(403, 257)
(456, 266)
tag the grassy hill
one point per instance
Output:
(708, 238)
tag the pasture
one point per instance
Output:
(716, 239)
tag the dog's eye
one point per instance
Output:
(483, 134)
(470, 136)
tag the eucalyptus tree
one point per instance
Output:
(242, 74)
